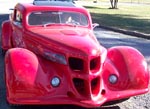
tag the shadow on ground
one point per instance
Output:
(60, 107)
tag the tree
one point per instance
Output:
(114, 4)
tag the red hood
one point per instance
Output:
(80, 38)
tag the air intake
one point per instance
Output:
(76, 64)
(79, 85)
(95, 63)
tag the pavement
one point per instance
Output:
(127, 32)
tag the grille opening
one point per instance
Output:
(103, 92)
(95, 63)
(79, 85)
(76, 64)
(95, 86)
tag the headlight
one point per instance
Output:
(55, 57)
(55, 81)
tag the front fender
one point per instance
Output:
(6, 35)
(131, 68)
(22, 65)
(21, 72)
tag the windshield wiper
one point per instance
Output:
(49, 24)
(73, 24)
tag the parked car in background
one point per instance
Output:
(53, 57)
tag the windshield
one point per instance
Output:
(57, 17)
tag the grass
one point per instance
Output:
(128, 16)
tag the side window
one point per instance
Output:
(18, 16)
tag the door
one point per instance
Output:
(18, 30)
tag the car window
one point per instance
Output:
(57, 17)
(18, 16)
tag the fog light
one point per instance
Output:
(113, 79)
(55, 81)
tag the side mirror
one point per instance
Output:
(11, 9)
(94, 25)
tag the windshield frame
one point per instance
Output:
(82, 18)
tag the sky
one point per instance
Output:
(6, 5)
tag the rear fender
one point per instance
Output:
(6, 35)
(130, 67)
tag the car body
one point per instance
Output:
(53, 61)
